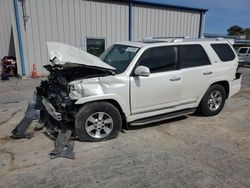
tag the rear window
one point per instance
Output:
(242, 50)
(224, 52)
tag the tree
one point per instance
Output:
(235, 30)
(247, 33)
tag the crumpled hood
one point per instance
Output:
(69, 54)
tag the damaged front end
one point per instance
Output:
(51, 104)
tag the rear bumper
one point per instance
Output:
(235, 85)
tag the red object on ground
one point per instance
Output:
(34, 72)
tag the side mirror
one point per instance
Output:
(142, 71)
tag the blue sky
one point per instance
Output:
(221, 13)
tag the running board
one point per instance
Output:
(162, 117)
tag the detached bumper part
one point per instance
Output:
(51, 110)
(63, 146)
(32, 113)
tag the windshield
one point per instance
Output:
(119, 56)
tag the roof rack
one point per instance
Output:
(180, 39)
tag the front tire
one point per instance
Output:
(98, 121)
(213, 101)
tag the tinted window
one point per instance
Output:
(224, 52)
(192, 56)
(159, 59)
(243, 50)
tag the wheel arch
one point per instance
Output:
(225, 84)
(118, 106)
(203, 107)
(112, 101)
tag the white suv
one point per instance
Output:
(136, 83)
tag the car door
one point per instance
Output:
(196, 72)
(162, 88)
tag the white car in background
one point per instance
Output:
(244, 54)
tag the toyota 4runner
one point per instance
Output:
(135, 83)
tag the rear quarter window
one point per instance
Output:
(224, 52)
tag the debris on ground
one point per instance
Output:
(32, 113)
(63, 145)
(9, 67)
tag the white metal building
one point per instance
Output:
(93, 25)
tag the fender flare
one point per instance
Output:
(211, 83)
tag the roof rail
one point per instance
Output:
(181, 39)
(200, 39)
(152, 39)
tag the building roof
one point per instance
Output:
(242, 42)
(163, 4)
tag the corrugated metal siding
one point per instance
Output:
(6, 11)
(157, 21)
(69, 21)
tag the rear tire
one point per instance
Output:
(98, 121)
(213, 101)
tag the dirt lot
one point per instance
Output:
(191, 151)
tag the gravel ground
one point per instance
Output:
(189, 151)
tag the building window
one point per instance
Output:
(95, 46)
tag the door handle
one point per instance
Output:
(175, 78)
(208, 73)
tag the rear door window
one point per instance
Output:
(224, 52)
(192, 56)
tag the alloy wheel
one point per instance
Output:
(99, 125)
(214, 100)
